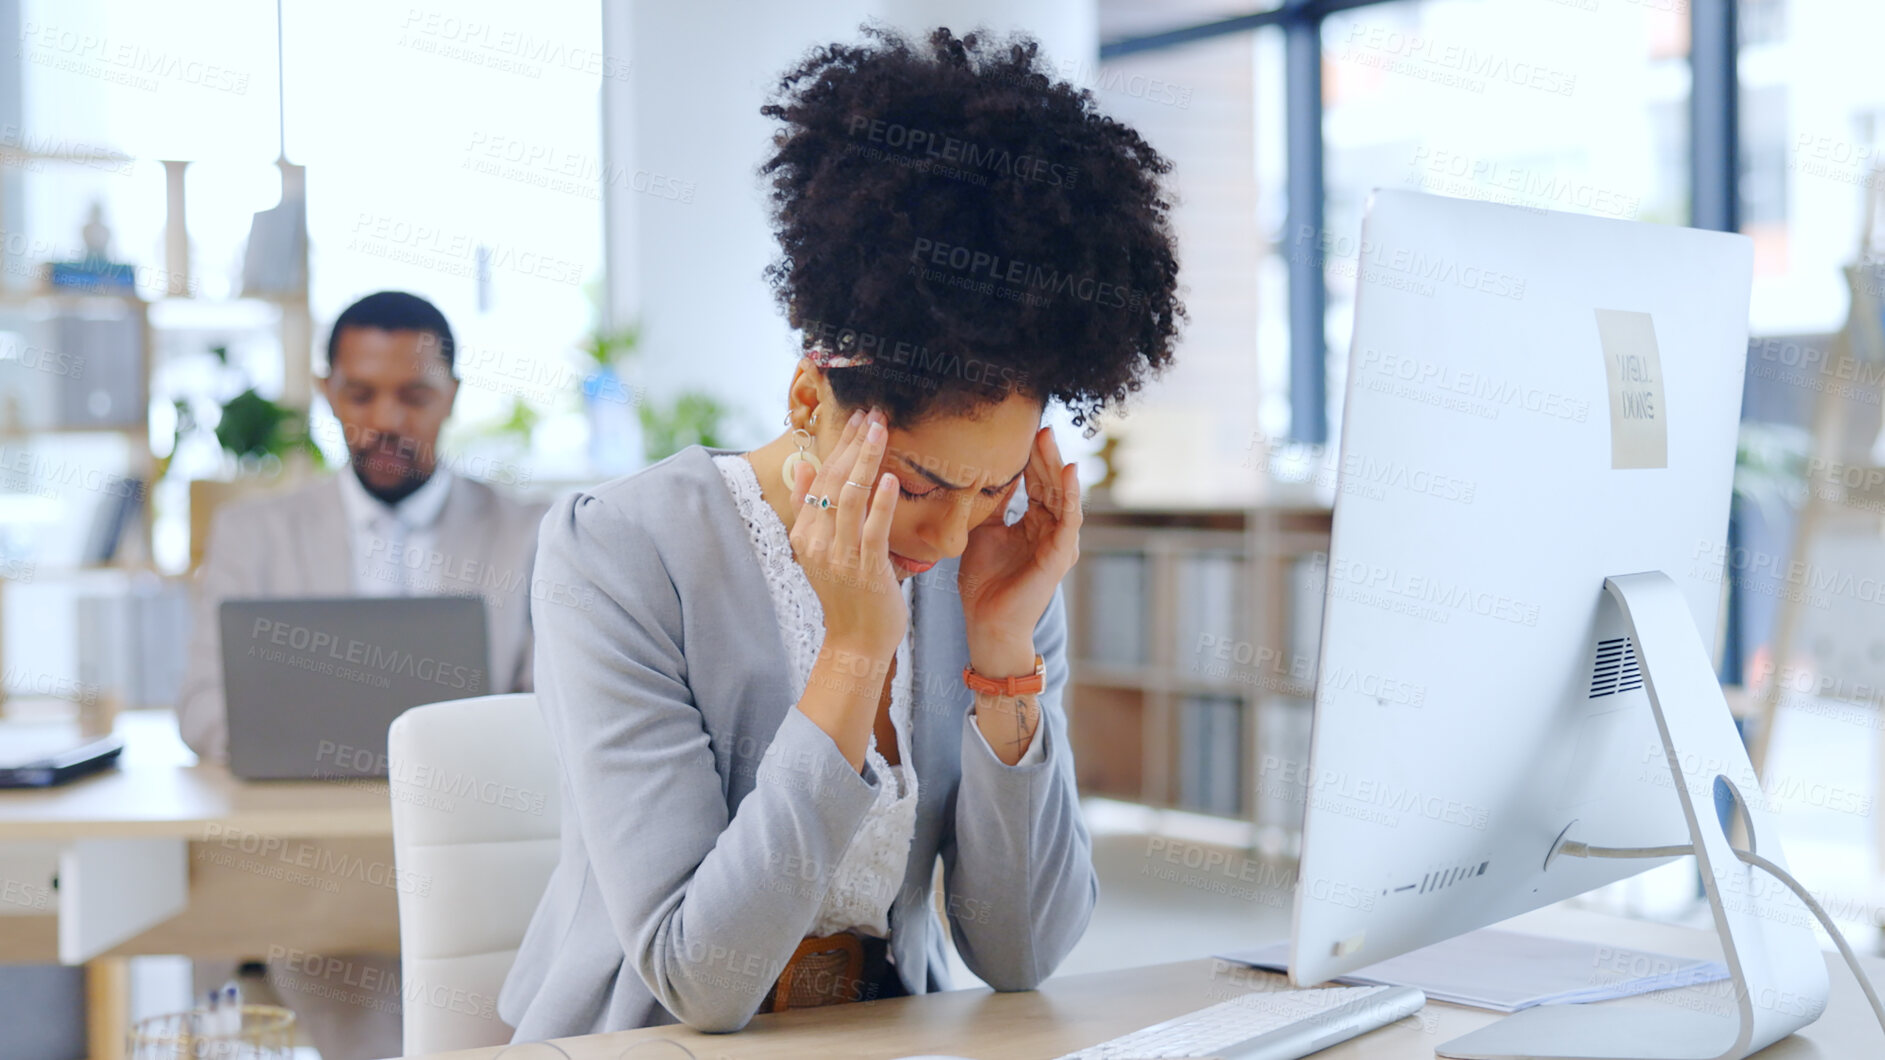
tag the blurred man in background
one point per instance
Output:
(395, 522)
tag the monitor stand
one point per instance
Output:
(1774, 960)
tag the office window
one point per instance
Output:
(1120, 19)
(489, 207)
(1215, 109)
(1811, 144)
(114, 87)
(1763, 153)
(1762, 21)
(1561, 105)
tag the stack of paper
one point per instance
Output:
(1506, 971)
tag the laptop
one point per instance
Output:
(35, 755)
(311, 685)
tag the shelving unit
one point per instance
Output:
(80, 398)
(176, 318)
(1190, 628)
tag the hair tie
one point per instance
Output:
(822, 356)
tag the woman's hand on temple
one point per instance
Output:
(1008, 574)
(845, 549)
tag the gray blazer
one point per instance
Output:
(296, 543)
(703, 812)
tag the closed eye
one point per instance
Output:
(992, 491)
(942, 484)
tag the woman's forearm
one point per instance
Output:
(1007, 722)
(842, 694)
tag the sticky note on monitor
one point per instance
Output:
(1639, 424)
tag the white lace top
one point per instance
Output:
(870, 872)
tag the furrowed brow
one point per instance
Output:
(946, 484)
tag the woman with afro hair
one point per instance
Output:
(800, 675)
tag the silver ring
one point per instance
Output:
(859, 485)
(818, 502)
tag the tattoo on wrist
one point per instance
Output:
(1024, 707)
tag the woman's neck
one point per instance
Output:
(766, 461)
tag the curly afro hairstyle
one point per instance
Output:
(969, 226)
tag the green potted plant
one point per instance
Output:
(261, 434)
(692, 419)
(1770, 466)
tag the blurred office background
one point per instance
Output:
(189, 192)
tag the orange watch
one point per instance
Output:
(1025, 684)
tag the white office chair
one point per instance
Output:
(476, 813)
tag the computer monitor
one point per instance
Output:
(1541, 414)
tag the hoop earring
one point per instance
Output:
(789, 466)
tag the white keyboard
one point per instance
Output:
(1265, 1025)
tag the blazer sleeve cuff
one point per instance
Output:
(1037, 744)
(803, 758)
(1032, 774)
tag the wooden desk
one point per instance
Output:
(160, 856)
(179, 801)
(1072, 1012)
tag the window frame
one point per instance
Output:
(1714, 176)
(1714, 186)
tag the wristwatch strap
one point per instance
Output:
(1025, 684)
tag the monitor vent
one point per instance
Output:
(1616, 669)
(1443, 878)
